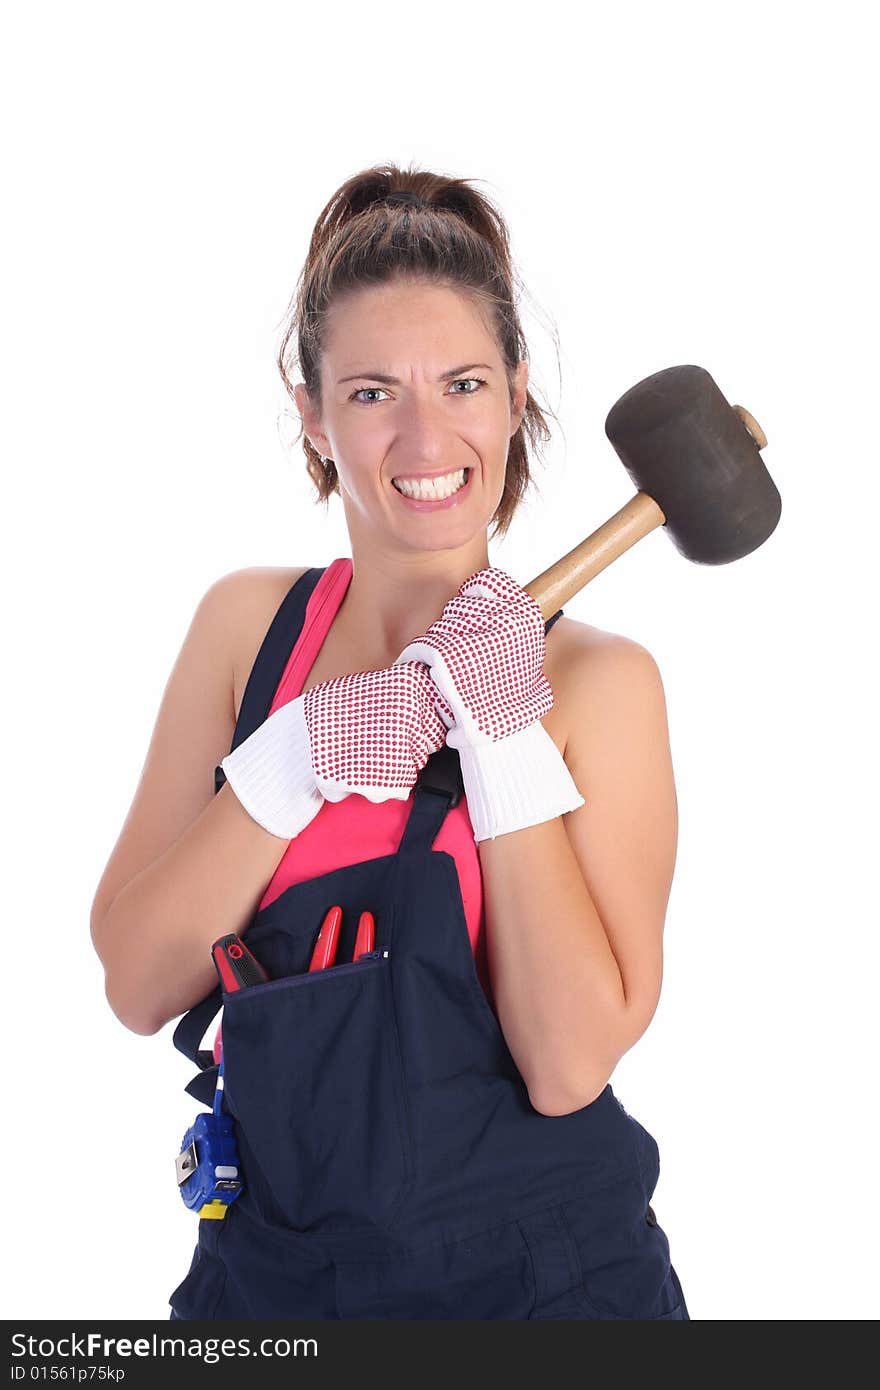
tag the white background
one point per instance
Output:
(684, 184)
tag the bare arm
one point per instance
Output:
(189, 865)
(155, 939)
(576, 906)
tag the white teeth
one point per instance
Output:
(431, 489)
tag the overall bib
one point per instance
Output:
(393, 1166)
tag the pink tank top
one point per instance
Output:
(348, 831)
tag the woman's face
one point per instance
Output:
(443, 407)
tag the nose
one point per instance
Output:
(424, 432)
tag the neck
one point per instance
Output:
(392, 598)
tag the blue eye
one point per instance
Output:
(478, 379)
(480, 382)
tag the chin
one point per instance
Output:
(443, 536)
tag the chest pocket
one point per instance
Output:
(314, 1075)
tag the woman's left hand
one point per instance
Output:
(486, 657)
(485, 654)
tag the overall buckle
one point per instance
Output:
(442, 774)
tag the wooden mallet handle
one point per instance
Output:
(696, 461)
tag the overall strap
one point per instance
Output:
(271, 662)
(437, 790)
(266, 673)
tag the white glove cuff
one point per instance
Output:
(436, 664)
(515, 782)
(271, 772)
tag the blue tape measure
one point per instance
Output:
(208, 1170)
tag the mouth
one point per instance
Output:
(424, 493)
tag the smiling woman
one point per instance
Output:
(379, 253)
(426, 1129)
(421, 460)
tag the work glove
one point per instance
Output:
(370, 732)
(485, 654)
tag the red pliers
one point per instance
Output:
(324, 953)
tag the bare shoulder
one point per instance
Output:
(250, 599)
(577, 637)
(591, 669)
(577, 646)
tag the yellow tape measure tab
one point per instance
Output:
(213, 1211)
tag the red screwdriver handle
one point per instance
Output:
(236, 966)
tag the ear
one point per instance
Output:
(311, 421)
(520, 392)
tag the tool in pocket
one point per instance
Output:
(208, 1168)
(237, 962)
(324, 951)
(366, 933)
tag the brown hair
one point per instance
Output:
(447, 234)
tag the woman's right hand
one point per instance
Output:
(369, 733)
(373, 731)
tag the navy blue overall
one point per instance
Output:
(393, 1165)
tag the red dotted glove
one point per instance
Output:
(370, 732)
(485, 654)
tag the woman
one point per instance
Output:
(428, 1130)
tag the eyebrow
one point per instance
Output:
(394, 381)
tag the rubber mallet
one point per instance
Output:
(696, 462)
